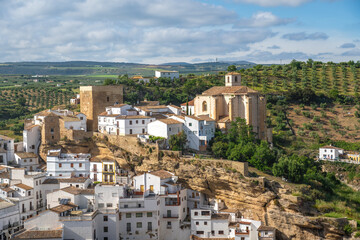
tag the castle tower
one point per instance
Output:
(232, 79)
(94, 100)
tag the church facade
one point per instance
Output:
(226, 103)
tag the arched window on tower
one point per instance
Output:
(235, 78)
(228, 79)
(204, 106)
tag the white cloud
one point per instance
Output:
(272, 3)
(263, 19)
(301, 36)
(348, 45)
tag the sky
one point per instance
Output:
(161, 31)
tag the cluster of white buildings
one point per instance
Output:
(157, 120)
(152, 205)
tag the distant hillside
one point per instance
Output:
(112, 68)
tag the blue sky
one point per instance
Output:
(158, 31)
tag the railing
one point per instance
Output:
(239, 231)
(131, 206)
(170, 216)
(172, 203)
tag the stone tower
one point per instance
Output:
(232, 79)
(94, 100)
(50, 130)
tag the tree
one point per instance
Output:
(109, 81)
(21, 101)
(178, 141)
(219, 149)
(231, 68)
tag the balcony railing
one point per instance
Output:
(172, 203)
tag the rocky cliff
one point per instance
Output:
(264, 198)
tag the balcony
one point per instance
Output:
(170, 216)
(172, 202)
(241, 232)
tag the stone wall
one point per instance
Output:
(94, 99)
(50, 131)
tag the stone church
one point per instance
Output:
(226, 103)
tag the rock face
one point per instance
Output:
(269, 201)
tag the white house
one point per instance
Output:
(27, 160)
(167, 74)
(165, 127)
(77, 122)
(25, 199)
(188, 108)
(31, 138)
(66, 165)
(9, 219)
(330, 153)
(123, 119)
(199, 130)
(6, 149)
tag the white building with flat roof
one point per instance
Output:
(330, 153)
(66, 165)
(167, 74)
(27, 160)
(6, 150)
(9, 219)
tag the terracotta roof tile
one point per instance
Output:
(190, 103)
(220, 90)
(26, 155)
(162, 174)
(78, 191)
(266, 228)
(6, 137)
(23, 186)
(169, 121)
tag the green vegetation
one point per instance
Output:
(177, 142)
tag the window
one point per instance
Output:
(106, 229)
(213, 232)
(109, 205)
(196, 213)
(168, 225)
(105, 218)
(130, 131)
(51, 130)
(128, 215)
(108, 99)
(205, 223)
(60, 175)
(190, 124)
(235, 78)
(199, 232)
(80, 164)
(221, 232)
(149, 226)
(137, 121)
(143, 130)
(143, 121)
(149, 214)
(60, 165)
(197, 223)
(204, 106)
(138, 215)
(1, 159)
(72, 165)
(105, 238)
(24, 160)
(100, 205)
(114, 194)
(228, 79)
(139, 225)
(169, 129)
(130, 122)
(242, 238)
